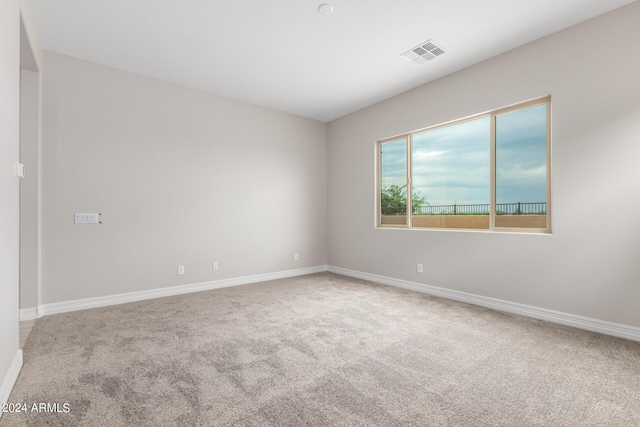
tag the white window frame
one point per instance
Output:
(492, 200)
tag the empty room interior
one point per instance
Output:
(305, 213)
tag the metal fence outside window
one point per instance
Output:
(517, 208)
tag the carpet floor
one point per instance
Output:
(320, 350)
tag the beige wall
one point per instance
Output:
(29, 194)
(477, 222)
(451, 221)
(19, 48)
(583, 269)
(9, 185)
(179, 176)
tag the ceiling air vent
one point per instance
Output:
(423, 53)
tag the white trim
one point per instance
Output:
(28, 314)
(82, 304)
(580, 322)
(11, 378)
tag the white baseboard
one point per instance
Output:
(10, 379)
(82, 304)
(28, 314)
(587, 323)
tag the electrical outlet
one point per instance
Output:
(420, 269)
(216, 266)
(296, 257)
(180, 270)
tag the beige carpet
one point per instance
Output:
(321, 350)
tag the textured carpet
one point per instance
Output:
(321, 350)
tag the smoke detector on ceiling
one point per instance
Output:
(325, 9)
(424, 52)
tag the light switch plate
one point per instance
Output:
(87, 218)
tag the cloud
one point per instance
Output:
(521, 156)
(452, 163)
(394, 163)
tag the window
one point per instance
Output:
(490, 171)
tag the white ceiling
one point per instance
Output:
(285, 55)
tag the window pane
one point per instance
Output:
(521, 168)
(451, 176)
(393, 196)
